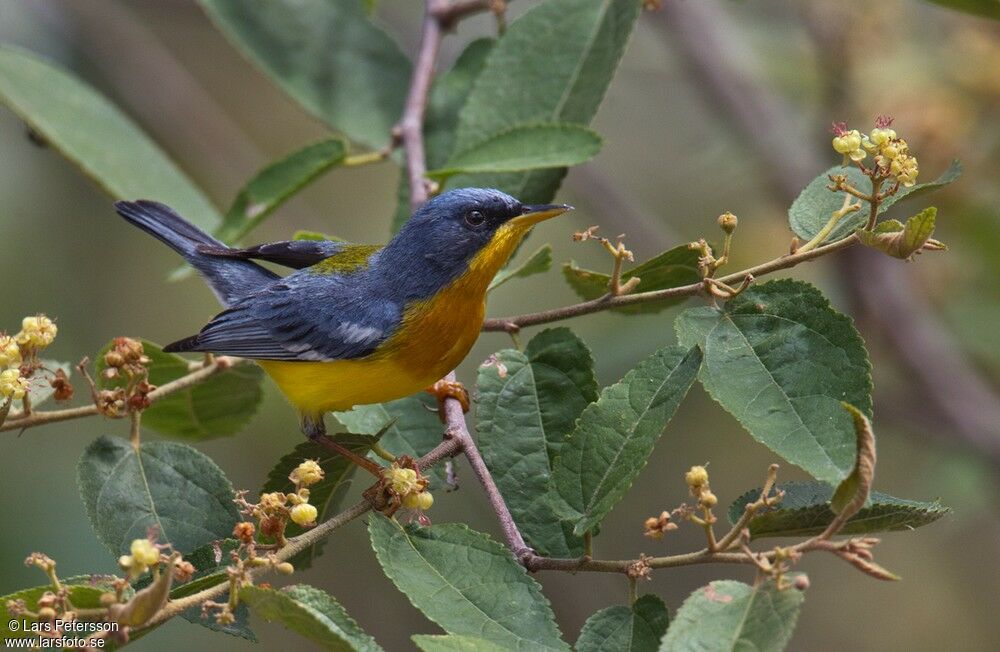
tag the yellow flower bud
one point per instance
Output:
(424, 501)
(696, 477)
(307, 473)
(10, 352)
(285, 568)
(36, 332)
(144, 552)
(304, 514)
(12, 385)
(728, 222)
(402, 481)
(708, 499)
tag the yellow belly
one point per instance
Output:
(435, 335)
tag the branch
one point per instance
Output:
(608, 301)
(203, 372)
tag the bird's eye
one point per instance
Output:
(474, 218)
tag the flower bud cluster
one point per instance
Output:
(407, 488)
(697, 482)
(145, 554)
(18, 355)
(891, 153)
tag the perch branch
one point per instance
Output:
(203, 372)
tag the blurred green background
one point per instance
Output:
(677, 161)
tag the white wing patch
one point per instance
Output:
(354, 333)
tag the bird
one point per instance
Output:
(354, 324)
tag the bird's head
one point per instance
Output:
(470, 228)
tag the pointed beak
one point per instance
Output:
(534, 213)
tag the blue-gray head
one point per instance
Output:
(445, 235)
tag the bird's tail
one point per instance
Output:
(229, 278)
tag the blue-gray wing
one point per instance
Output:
(305, 316)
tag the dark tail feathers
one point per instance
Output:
(229, 278)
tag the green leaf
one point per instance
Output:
(638, 628)
(528, 403)
(312, 613)
(781, 360)
(83, 596)
(466, 583)
(805, 511)
(614, 436)
(447, 97)
(326, 495)
(987, 8)
(168, 486)
(92, 133)
(552, 65)
(527, 147)
(728, 615)
(452, 643)
(407, 426)
(903, 241)
(673, 268)
(314, 235)
(217, 407)
(537, 263)
(327, 55)
(275, 184)
(811, 210)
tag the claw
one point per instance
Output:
(445, 389)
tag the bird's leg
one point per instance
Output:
(445, 389)
(314, 428)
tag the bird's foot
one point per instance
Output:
(314, 428)
(445, 389)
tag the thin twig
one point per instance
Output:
(38, 418)
(607, 301)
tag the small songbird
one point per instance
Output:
(355, 324)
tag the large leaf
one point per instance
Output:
(327, 55)
(96, 136)
(552, 65)
(731, 616)
(805, 511)
(447, 97)
(781, 360)
(276, 183)
(312, 613)
(672, 268)
(453, 643)
(811, 210)
(219, 406)
(327, 494)
(407, 426)
(638, 628)
(614, 436)
(525, 147)
(537, 263)
(83, 596)
(528, 403)
(166, 485)
(467, 583)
